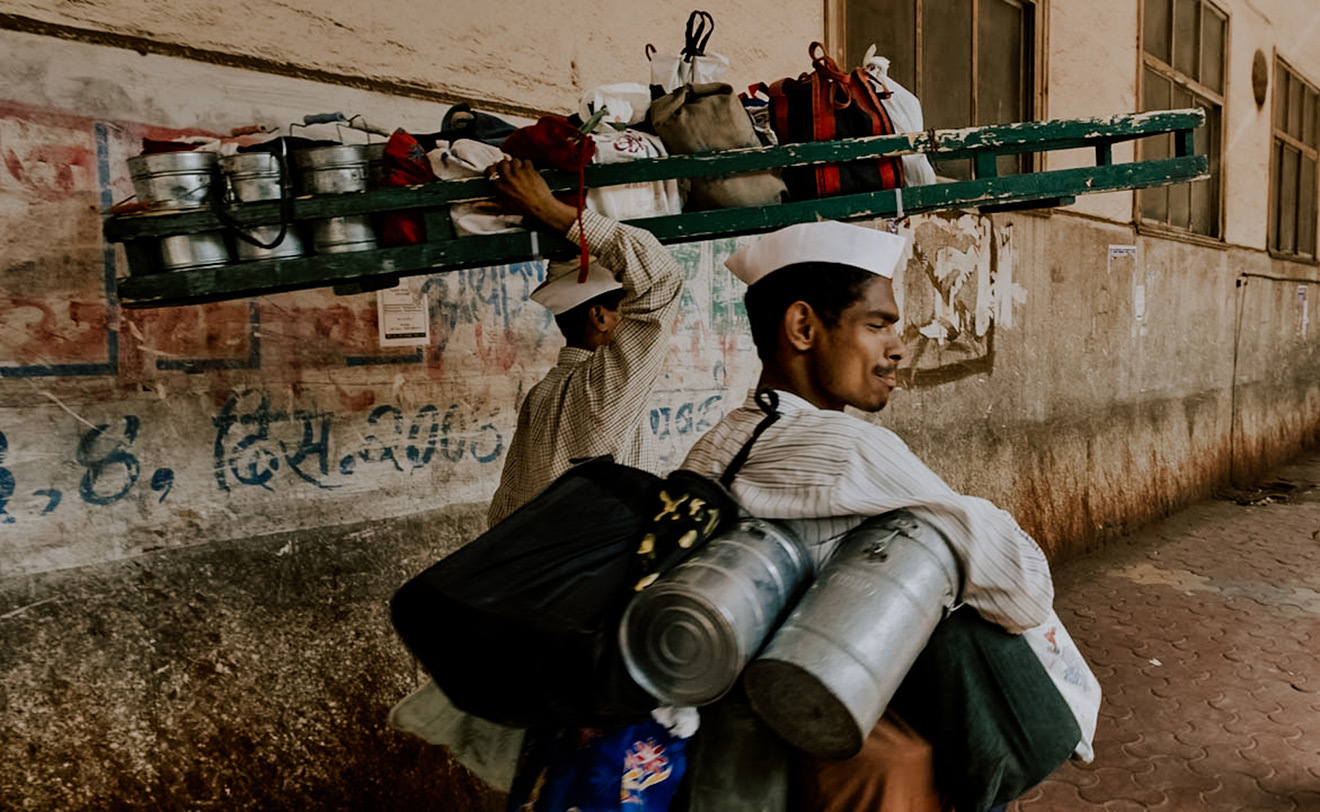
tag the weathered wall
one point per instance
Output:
(515, 55)
(206, 509)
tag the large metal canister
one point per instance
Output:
(341, 235)
(190, 252)
(252, 176)
(171, 181)
(686, 638)
(332, 170)
(827, 675)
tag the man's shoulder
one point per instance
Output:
(837, 426)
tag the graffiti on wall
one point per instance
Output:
(239, 417)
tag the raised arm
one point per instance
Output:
(619, 378)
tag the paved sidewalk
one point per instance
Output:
(1204, 631)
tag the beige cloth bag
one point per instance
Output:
(705, 118)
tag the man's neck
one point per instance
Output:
(794, 384)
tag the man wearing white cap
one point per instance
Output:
(821, 305)
(616, 324)
(590, 404)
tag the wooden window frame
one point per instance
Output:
(836, 43)
(1147, 61)
(1277, 135)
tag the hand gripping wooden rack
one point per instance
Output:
(444, 251)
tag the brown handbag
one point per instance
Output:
(705, 118)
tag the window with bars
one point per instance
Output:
(1184, 47)
(971, 62)
(1293, 164)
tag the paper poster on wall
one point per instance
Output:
(402, 313)
(1123, 260)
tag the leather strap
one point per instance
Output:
(768, 400)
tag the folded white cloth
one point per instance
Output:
(464, 159)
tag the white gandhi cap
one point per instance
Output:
(561, 291)
(858, 246)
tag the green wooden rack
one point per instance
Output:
(443, 251)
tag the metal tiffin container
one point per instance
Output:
(193, 252)
(333, 169)
(255, 176)
(687, 637)
(830, 670)
(336, 170)
(170, 181)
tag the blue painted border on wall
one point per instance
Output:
(111, 365)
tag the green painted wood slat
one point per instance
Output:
(1006, 139)
(1013, 191)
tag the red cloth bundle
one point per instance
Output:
(405, 164)
(554, 142)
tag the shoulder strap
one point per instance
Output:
(768, 400)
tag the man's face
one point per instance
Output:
(855, 363)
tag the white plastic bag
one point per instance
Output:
(1077, 685)
(632, 200)
(463, 159)
(904, 111)
(693, 66)
(627, 103)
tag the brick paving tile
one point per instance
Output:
(1114, 783)
(1182, 799)
(1226, 598)
(1240, 791)
(1170, 773)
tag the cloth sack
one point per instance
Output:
(996, 724)
(692, 65)
(1055, 649)
(631, 201)
(470, 159)
(904, 111)
(707, 117)
(626, 102)
(825, 105)
(462, 122)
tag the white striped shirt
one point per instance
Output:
(824, 472)
(593, 403)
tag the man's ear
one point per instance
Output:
(800, 326)
(596, 316)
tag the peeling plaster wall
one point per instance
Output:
(205, 509)
(534, 56)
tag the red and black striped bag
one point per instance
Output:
(826, 105)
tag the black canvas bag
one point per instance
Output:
(518, 626)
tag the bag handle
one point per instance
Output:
(217, 204)
(700, 26)
(768, 400)
(831, 76)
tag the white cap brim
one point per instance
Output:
(561, 292)
(867, 249)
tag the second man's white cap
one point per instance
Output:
(561, 291)
(839, 243)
